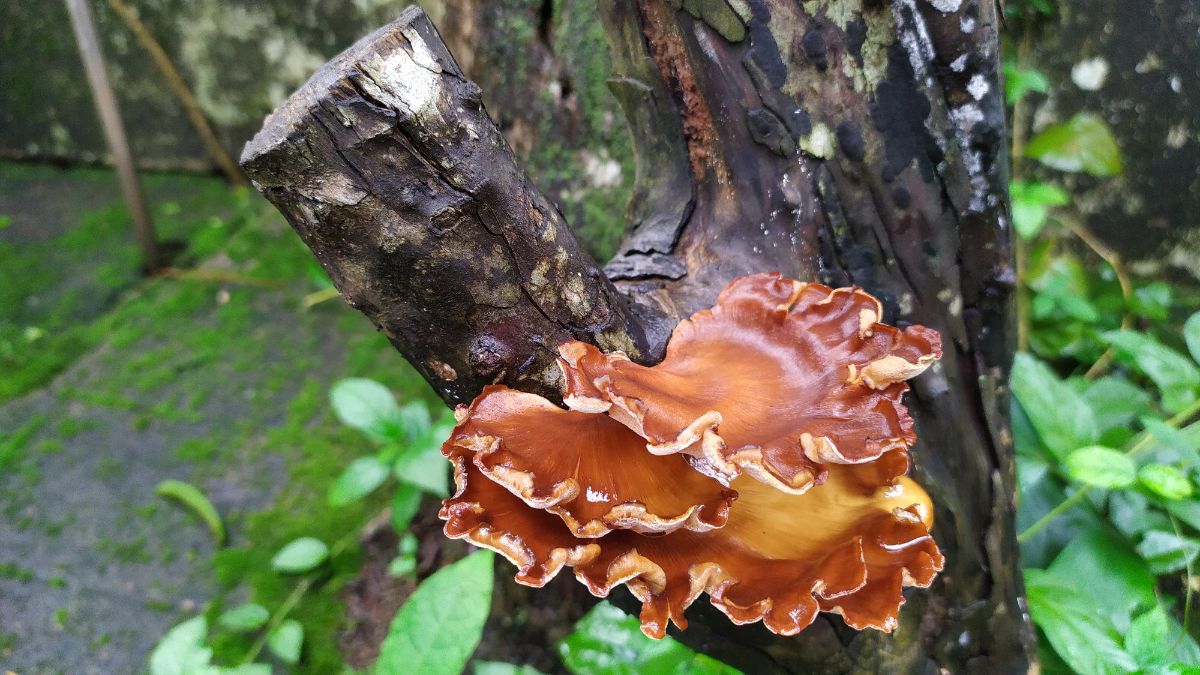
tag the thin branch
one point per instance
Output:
(1041, 523)
(1111, 257)
(177, 85)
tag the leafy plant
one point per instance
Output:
(191, 497)
(606, 641)
(1109, 512)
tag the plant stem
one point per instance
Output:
(1065, 505)
(302, 586)
(1019, 122)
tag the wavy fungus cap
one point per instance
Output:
(641, 482)
(778, 380)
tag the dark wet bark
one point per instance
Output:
(853, 145)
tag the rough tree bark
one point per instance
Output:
(850, 141)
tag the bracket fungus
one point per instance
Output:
(761, 462)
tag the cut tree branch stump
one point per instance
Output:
(844, 142)
(390, 169)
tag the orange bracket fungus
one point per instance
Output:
(761, 462)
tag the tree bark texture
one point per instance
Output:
(847, 141)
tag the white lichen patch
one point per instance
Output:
(1178, 136)
(401, 80)
(978, 87)
(818, 143)
(1090, 74)
(960, 64)
(946, 6)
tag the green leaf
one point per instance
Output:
(415, 419)
(1176, 376)
(607, 641)
(1117, 579)
(1115, 401)
(499, 668)
(301, 555)
(426, 469)
(437, 629)
(357, 481)
(1191, 335)
(367, 406)
(1020, 81)
(1187, 510)
(244, 618)
(244, 669)
(1166, 481)
(286, 641)
(1152, 300)
(1156, 640)
(1166, 552)
(402, 566)
(1062, 418)
(1082, 143)
(5, 221)
(1031, 202)
(181, 651)
(405, 506)
(191, 497)
(1171, 444)
(1133, 515)
(1102, 467)
(1077, 628)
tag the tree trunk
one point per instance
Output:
(852, 142)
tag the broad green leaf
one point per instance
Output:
(367, 406)
(1133, 515)
(1082, 143)
(1165, 481)
(437, 629)
(1102, 467)
(358, 480)
(607, 641)
(1156, 640)
(1078, 629)
(1020, 81)
(1170, 445)
(1061, 417)
(414, 417)
(1031, 202)
(191, 497)
(1115, 401)
(1117, 579)
(181, 651)
(499, 668)
(286, 641)
(426, 469)
(243, 618)
(301, 555)
(1175, 375)
(1166, 552)
(1186, 510)
(405, 506)
(1191, 335)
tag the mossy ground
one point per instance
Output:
(124, 381)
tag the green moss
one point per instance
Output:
(134, 550)
(12, 446)
(101, 260)
(15, 572)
